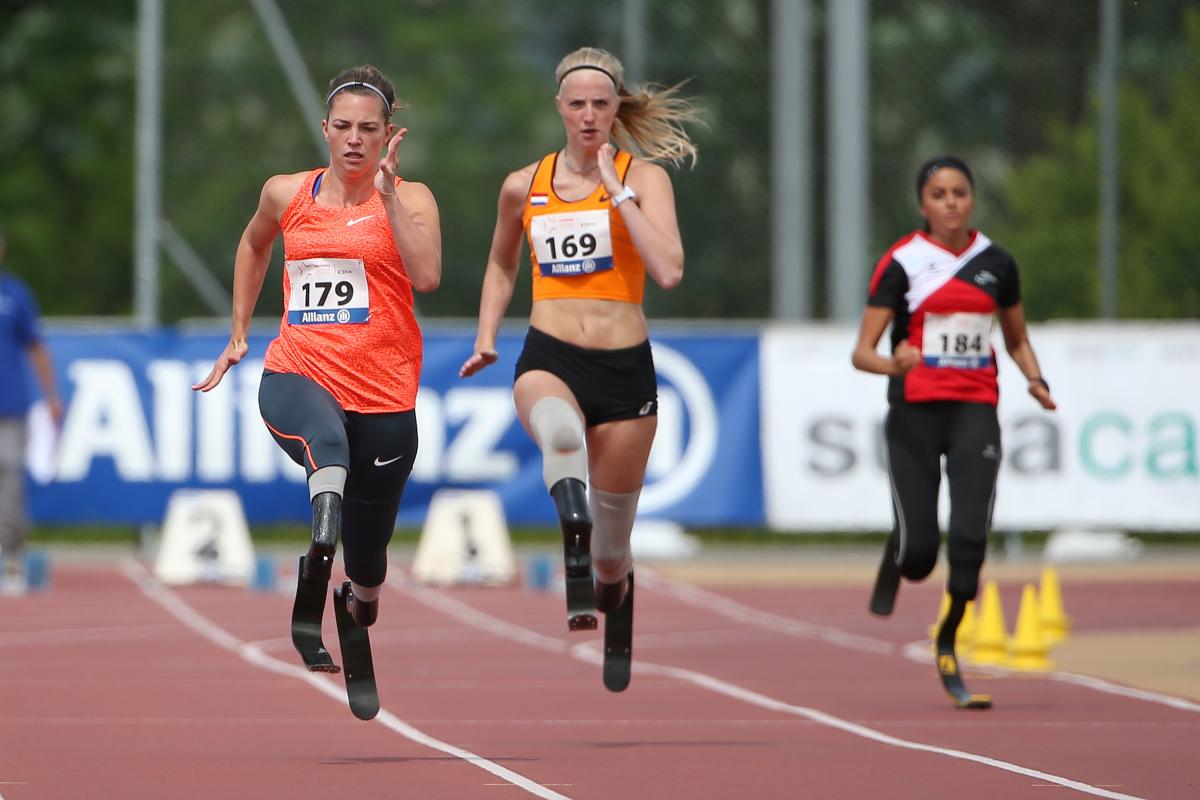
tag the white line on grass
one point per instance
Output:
(588, 652)
(253, 654)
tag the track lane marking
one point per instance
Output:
(589, 652)
(206, 628)
(914, 651)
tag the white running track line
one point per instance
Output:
(914, 651)
(470, 615)
(739, 612)
(253, 654)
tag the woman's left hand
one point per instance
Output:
(608, 170)
(385, 178)
(1041, 392)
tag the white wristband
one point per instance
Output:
(623, 195)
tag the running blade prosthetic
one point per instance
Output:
(307, 612)
(887, 582)
(947, 664)
(570, 499)
(356, 658)
(618, 643)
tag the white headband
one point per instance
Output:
(386, 105)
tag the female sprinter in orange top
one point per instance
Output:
(597, 220)
(340, 384)
(940, 288)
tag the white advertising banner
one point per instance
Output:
(1121, 451)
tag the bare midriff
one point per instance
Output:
(598, 324)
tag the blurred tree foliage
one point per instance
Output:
(1054, 209)
(1007, 85)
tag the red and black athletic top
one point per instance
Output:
(944, 303)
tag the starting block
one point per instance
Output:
(465, 540)
(205, 539)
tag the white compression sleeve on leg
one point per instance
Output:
(327, 479)
(612, 524)
(559, 433)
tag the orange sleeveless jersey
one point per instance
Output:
(583, 253)
(365, 352)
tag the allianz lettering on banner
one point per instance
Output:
(1122, 450)
(134, 431)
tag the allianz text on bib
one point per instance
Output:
(327, 291)
(573, 243)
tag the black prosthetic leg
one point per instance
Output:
(361, 690)
(570, 499)
(618, 632)
(947, 662)
(312, 581)
(887, 581)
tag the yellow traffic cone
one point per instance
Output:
(1054, 620)
(989, 645)
(1029, 649)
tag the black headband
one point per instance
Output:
(588, 66)
(941, 162)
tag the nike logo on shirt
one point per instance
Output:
(360, 219)
(379, 463)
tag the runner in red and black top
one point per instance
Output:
(940, 289)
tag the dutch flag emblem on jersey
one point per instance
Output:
(538, 199)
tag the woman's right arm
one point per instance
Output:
(501, 274)
(875, 320)
(250, 269)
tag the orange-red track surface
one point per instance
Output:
(114, 686)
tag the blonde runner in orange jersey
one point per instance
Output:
(598, 221)
(581, 249)
(349, 321)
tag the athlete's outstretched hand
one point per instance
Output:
(905, 357)
(478, 360)
(234, 352)
(385, 178)
(1041, 392)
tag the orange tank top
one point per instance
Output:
(348, 320)
(580, 249)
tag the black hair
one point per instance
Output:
(940, 162)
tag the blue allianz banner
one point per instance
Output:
(134, 431)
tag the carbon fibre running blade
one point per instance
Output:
(307, 612)
(361, 691)
(887, 583)
(947, 664)
(581, 603)
(618, 644)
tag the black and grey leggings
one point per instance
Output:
(918, 435)
(377, 450)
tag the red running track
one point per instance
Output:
(113, 686)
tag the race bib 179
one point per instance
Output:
(327, 291)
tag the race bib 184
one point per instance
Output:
(959, 341)
(576, 243)
(327, 291)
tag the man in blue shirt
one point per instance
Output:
(19, 337)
